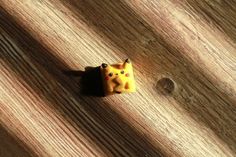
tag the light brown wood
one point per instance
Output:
(184, 57)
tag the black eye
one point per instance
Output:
(122, 72)
(110, 74)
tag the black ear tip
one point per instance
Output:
(104, 65)
(128, 60)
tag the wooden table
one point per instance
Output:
(184, 56)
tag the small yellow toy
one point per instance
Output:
(118, 78)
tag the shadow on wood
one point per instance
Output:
(197, 94)
(11, 146)
(90, 81)
(96, 118)
(221, 14)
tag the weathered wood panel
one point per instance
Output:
(185, 66)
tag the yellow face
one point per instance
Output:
(118, 78)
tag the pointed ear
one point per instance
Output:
(104, 65)
(127, 61)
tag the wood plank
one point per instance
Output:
(11, 146)
(185, 67)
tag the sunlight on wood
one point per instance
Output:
(190, 113)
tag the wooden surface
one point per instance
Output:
(184, 55)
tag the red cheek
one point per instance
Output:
(127, 75)
(106, 78)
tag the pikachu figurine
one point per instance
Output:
(118, 78)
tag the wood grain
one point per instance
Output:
(11, 146)
(184, 58)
